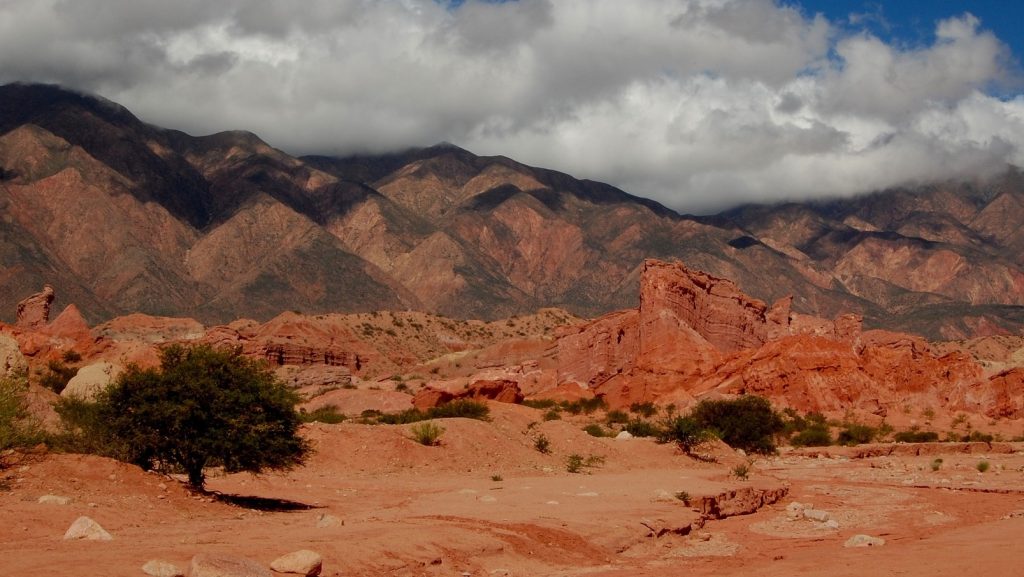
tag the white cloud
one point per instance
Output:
(697, 103)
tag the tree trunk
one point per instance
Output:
(196, 478)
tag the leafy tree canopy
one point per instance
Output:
(204, 407)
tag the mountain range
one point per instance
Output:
(121, 216)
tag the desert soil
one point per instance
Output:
(485, 502)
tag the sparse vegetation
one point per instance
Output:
(427, 433)
(640, 428)
(57, 375)
(596, 430)
(540, 403)
(936, 464)
(742, 471)
(326, 414)
(915, 436)
(542, 444)
(553, 415)
(17, 429)
(982, 466)
(497, 478)
(647, 409)
(459, 408)
(683, 496)
(616, 417)
(576, 463)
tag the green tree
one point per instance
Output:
(747, 422)
(204, 407)
(685, 432)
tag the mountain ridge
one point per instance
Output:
(225, 226)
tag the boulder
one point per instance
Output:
(54, 500)
(222, 565)
(303, 562)
(34, 311)
(864, 541)
(158, 568)
(86, 529)
(90, 380)
(12, 362)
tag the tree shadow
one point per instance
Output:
(263, 503)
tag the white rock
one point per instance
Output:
(303, 562)
(220, 565)
(488, 499)
(12, 362)
(325, 520)
(864, 541)
(623, 436)
(86, 529)
(90, 380)
(158, 568)
(54, 500)
(832, 524)
(816, 515)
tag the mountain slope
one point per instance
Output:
(122, 216)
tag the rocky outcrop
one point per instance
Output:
(12, 362)
(34, 311)
(502, 391)
(743, 501)
(712, 307)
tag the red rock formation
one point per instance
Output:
(34, 311)
(503, 391)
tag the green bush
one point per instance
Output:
(595, 430)
(616, 417)
(644, 409)
(326, 414)
(427, 433)
(747, 422)
(204, 406)
(553, 415)
(685, 432)
(856, 434)
(57, 376)
(542, 443)
(982, 466)
(540, 403)
(916, 437)
(813, 436)
(585, 406)
(742, 471)
(17, 429)
(460, 408)
(576, 463)
(641, 428)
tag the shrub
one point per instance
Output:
(553, 415)
(460, 408)
(685, 432)
(978, 437)
(741, 471)
(586, 406)
(427, 433)
(595, 430)
(747, 423)
(71, 356)
(204, 406)
(540, 403)
(616, 416)
(16, 427)
(57, 376)
(813, 436)
(683, 496)
(641, 428)
(576, 463)
(542, 443)
(644, 409)
(916, 437)
(982, 466)
(326, 414)
(497, 478)
(937, 464)
(856, 434)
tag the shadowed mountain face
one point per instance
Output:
(121, 216)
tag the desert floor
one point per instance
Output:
(485, 502)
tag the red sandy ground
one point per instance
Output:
(413, 510)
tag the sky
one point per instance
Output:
(699, 104)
